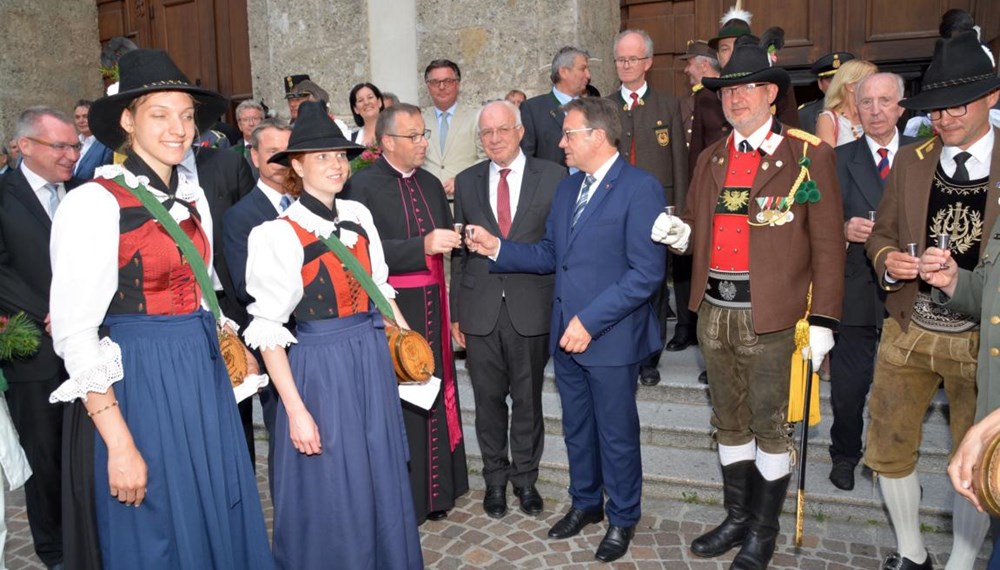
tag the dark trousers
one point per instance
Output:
(601, 430)
(40, 426)
(852, 366)
(501, 363)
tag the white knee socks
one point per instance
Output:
(729, 454)
(902, 498)
(773, 466)
(969, 528)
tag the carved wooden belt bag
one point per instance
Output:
(412, 357)
(986, 477)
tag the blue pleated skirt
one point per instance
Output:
(202, 508)
(349, 506)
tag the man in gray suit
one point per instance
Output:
(862, 171)
(503, 319)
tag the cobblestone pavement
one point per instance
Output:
(468, 539)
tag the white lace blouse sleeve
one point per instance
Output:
(380, 270)
(274, 280)
(84, 250)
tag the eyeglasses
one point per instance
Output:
(628, 61)
(569, 132)
(58, 147)
(745, 89)
(414, 138)
(442, 82)
(250, 120)
(936, 114)
(502, 131)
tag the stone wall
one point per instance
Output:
(499, 44)
(50, 56)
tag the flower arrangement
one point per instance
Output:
(367, 157)
(19, 338)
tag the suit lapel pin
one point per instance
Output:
(778, 163)
(765, 165)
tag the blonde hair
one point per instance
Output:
(850, 73)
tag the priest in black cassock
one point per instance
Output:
(415, 224)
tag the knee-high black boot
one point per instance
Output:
(737, 479)
(758, 547)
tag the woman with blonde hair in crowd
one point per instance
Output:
(839, 123)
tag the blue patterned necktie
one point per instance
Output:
(286, 201)
(53, 199)
(583, 198)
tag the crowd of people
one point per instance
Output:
(145, 244)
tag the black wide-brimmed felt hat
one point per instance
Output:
(145, 71)
(960, 73)
(749, 63)
(314, 131)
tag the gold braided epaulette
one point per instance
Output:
(804, 136)
(697, 88)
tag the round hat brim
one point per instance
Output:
(950, 96)
(776, 75)
(105, 114)
(284, 157)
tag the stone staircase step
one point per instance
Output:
(694, 476)
(687, 425)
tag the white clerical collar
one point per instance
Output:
(394, 167)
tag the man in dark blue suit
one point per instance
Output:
(543, 114)
(263, 203)
(606, 269)
(862, 171)
(94, 152)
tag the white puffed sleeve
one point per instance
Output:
(84, 250)
(274, 280)
(357, 212)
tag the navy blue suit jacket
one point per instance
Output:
(251, 211)
(97, 155)
(606, 266)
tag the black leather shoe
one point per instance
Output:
(895, 561)
(703, 377)
(649, 376)
(436, 515)
(615, 543)
(681, 341)
(495, 501)
(574, 521)
(842, 475)
(531, 501)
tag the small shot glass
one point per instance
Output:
(871, 215)
(669, 210)
(911, 248)
(943, 242)
(470, 233)
(458, 229)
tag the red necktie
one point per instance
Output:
(883, 163)
(503, 202)
(631, 150)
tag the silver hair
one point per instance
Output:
(510, 106)
(898, 80)
(269, 123)
(248, 104)
(564, 59)
(711, 61)
(28, 120)
(642, 34)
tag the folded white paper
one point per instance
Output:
(421, 395)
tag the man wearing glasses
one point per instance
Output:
(762, 243)
(414, 222)
(452, 145)
(653, 140)
(248, 114)
(503, 320)
(945, 185)
(29, 198)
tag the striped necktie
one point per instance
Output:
(583, 198)
(883, 163)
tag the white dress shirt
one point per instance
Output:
(38, 186)
(514, 179)
(893, 146)
(979, 165)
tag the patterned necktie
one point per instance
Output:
(286, 201)
(631, 148)
(53, 199)
(443, 131)
(745, 146)
(883, 163)
(961, 172)
(503, 202)
(583, 198)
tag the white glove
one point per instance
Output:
(820, 344)
(671, 231)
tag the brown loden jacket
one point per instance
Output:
(786, 259)
(902, 217)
